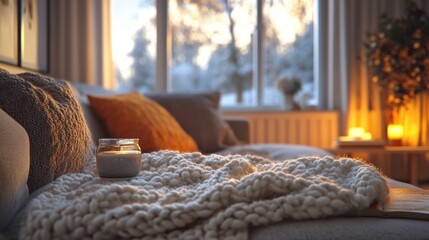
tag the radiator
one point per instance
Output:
(315, 128)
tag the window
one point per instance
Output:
(134, 43)
(239, 47)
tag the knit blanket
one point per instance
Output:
(197, 196)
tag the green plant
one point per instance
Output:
(398, 55)
(289, 85)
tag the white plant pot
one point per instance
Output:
(289, 102)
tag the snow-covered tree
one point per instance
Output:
(298, 58)
(143, 64)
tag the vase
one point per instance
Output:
(289, 102)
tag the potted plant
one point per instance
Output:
(398, 57)
(289, 86)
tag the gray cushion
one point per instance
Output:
(47, 109)
(94, 123)
(240, 127)
(198, 114)
(14, 168)
(277, 152)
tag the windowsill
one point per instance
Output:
(13, 69)
(265, 109)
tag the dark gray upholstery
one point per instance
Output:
(362, 228)
(240, 127)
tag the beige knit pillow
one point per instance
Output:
(14, 168)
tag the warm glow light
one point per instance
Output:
(367, 136)
(356, 132)
(395, 131)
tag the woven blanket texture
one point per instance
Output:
(195, 196)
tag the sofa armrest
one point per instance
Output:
(240, 127)
(14, 168)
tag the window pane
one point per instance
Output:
(212, 48)
(288, 47)
(134, 43)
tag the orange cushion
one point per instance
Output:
(132, 115)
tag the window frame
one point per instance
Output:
(163, 54)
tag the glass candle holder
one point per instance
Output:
(395, 132)
(118, 157)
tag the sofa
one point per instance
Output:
(228, 142)
(238, 126)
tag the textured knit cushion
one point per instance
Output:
(47, 109)
(132, 115)
(199, 116)
(14, 167)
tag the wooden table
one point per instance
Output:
(411, 154)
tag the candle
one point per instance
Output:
(116, 164)
(356, 133)
(367, 136)
(395, 132)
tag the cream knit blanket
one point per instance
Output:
(194, 196)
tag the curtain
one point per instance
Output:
(416, 122)
(80, 42)
(345, 83)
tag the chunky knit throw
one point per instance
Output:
(181, 196)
